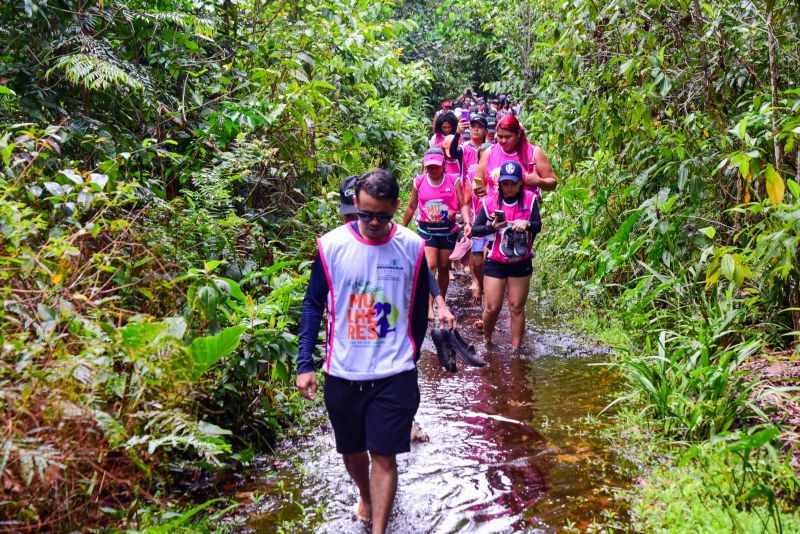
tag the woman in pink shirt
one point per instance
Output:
(512, 144)
(436, 198)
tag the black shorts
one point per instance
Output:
(443, 242)
(372, 415)
(497, 269)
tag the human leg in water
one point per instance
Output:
(443, 273)
(493, 301)
(383, 487)
(476, 266)
(432, 257)
(357, 465)
(518, 288)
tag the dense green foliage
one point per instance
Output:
(165, 168)
(675, 127)
(165, 165)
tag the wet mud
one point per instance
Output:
(513, 446)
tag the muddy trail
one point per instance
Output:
(512, 446)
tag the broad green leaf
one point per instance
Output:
(210, 429)
(6, 91)
(623, 69)
(233, 288)
(740, 130)
(210, 265)
(728, 266)
(280, 373)
(761, 438)
(206, 351)
(100, 180)
(76, 178)
(794, 188)
(206, 300)
(709, 232)
(775, 186)
(740, 272)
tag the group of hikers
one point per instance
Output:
(476, 201)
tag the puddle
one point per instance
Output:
(510, 448)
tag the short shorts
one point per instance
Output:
(443, 242)
(372, 415)
(478, 243)
(496, 269)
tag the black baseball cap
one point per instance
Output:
(480, 118)
(346, 193)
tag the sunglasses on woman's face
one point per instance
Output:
(367, 216)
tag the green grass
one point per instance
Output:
(699, 491)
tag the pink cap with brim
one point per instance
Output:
(434, 159)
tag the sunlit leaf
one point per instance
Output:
(728, 266)
(775, 185)
(712, 278)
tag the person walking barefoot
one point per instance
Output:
(370, 276)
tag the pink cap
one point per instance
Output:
(434, 159)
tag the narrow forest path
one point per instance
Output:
(510, 446)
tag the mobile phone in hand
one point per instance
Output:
(499, 215)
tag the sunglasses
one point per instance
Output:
(367, 216)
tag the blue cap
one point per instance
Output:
(511, 170)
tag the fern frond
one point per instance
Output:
(95, 73)
(174, 429)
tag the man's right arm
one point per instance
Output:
(313, 308)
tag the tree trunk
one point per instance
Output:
(697, 16)
(773, 79)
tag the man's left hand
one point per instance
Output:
(446, 317)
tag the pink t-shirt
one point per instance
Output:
(437, 204)
(517, 211)
(451, 166)
(470, 161)
(498, 156)
(436, 141)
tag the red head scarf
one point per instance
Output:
(510, 123)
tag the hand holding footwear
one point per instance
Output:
(507, 244)
(462, 248)
(465, 351)
(521, 244)
(444, 351)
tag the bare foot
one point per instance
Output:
(417, 435)
(364, 512)
(478, 324)
(477, 295)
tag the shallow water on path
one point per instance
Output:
(511, 448)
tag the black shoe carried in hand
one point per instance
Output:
(521, 244)
(465, 351)
(444, 350)
(507, 244)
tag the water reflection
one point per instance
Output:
(507, 451)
